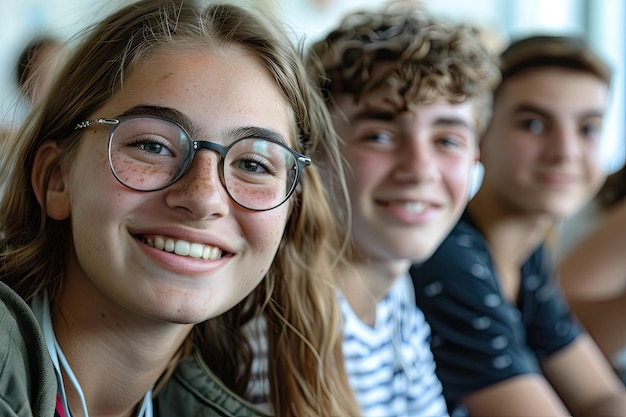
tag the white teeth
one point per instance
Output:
(159, 243)
(417, 207)
(196, 250)
(184, 248)
(209, 252)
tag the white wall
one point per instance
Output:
(21, 20)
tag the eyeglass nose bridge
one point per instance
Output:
(212, 146)
(205, 144)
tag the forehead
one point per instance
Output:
(215, 88)
(559, 90)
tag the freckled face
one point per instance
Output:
(122, 256)
(542, 150)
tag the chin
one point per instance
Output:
(563, 211)
(421, 254)
(184, 314)
(177, 317)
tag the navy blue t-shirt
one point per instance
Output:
(479, 338)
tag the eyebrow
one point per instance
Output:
(532, 108)
(373, 115)
(257, 132)
(452, 122)
(183, 120)
(165, 112)
(446, 121)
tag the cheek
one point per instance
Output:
(93, 210)
(592, 156)
(264, 230)
(593, 163)
(365, 169)
(507, 147)
(96, 196)
(457, 176)
(512, 158)
(91, 163)
(264, 237)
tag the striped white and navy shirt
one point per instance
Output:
(390, 366)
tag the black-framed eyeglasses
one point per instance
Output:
(150, 153)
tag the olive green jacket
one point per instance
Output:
(28, 385)
(193, 390)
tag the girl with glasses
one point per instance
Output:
(157, 201)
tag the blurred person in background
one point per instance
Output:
(504, 339)
(409, 94)
(36, 66)
(593, 270)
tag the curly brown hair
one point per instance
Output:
(428, 59)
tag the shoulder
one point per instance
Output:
(27, 372)
(460, 271)
(193, 390)
(549, 321)
(460, 252)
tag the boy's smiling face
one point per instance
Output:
(408, 171)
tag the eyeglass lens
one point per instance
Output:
(149, 154)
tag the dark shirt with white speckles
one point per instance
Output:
(479, 338)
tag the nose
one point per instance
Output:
(416, 161)
(564, 144)
(200, 192)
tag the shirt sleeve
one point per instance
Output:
(478, 339)
(551, 325)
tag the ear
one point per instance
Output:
(49, 183)
(477, 151)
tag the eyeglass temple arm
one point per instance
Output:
(88, 123)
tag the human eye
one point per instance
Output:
(253, 164)
(257, 157)
(156, 146)
(151, 144)
(375, 138)
(451, 141)
(591, 130)
(379, 137)
(534, 125)
(148, 138)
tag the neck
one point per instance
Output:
(117, 357)
(365, 282)
(512, 235)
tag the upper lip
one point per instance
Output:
(557, 175)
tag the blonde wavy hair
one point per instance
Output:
(298, 294)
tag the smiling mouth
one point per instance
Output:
(183, 248)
